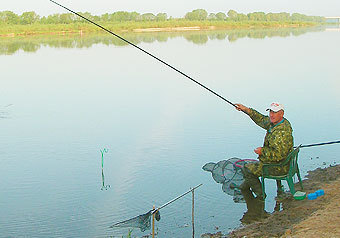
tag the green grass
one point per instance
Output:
(13, 30)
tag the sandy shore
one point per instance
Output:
(189, 28)
(305, 218)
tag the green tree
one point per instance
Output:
(105, 17)
(43, 20)
(86, 15)
(221, 16)
(9, 17)
(257, 16)
(201, 14)
(232, 14)
(52, 19)
(66, 18)
(96, 18)
(161, 17)
(271, 17)
(120, 16)
(134, 16)
(189, 16)
(212, 16)
(29, 18)
(148, 17)
(198, 14)
(284, 16)
(297, 17)
(241, 17)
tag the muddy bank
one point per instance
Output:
(306, 218)
(171, 29)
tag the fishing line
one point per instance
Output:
(146, 52)
(318, 144)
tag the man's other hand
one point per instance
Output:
(258, 150)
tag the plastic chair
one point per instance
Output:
(293, 169)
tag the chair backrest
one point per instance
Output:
(293, 157)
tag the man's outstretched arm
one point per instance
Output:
(243, 108)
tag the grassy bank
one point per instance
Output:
(304, 218)
(37, 28)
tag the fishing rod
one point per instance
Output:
(318, 144)
(146, 52)
(166, 204)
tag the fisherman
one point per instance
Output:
(278, 143)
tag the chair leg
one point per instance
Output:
(291, 185)
(263, 190)
(299, 177)
(279, 187)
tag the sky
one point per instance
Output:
(175, 8)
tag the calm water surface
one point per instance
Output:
(74, 96)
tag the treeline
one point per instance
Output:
(10, 18)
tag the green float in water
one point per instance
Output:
(106, 187)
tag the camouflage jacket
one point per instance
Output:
(278, 143)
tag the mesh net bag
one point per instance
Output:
(229, 174)
(143, 222)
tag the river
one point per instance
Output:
(66, 98)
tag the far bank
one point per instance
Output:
(119, 27)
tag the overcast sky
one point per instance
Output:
(175, 8)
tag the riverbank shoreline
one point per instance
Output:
(306, 218)
(82, 29)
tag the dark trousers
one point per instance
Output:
(251, 183)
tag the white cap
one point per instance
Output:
(275, 107)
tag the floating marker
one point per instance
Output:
(106, 187)
(103, 151)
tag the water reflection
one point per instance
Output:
(333, 27)
(255, 209)
(9, 46)
(104, 187)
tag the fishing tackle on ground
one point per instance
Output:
(146, 52)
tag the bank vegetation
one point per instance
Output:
(28, 23)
